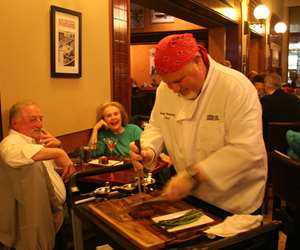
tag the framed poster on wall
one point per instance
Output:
(159, 17)
(65, 28)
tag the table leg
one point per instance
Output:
(77, 231)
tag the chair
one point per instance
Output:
(286, 192)
(140, 120)
(29, 211)
(275, 139)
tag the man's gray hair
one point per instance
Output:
(273, 80)
(16, 108)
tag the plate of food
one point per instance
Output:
(104, 161)
(182, 220)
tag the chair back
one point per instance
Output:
(286, 178)
(276, 136)
(286, 191)
(140, 120)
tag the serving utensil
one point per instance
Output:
(140, 172)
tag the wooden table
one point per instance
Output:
(119, 177)
(116, 177)
(123, 231)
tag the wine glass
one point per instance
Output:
(110, 143)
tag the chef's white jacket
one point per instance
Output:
(220, 132)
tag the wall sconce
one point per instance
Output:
(280, 27)
(261, 13)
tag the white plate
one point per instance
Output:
(109, 164)
(204, 219)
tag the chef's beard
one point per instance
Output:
(192, 95)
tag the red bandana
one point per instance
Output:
(175, 51)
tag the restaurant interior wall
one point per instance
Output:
(68, 104)
(140, 53)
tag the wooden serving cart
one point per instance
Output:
(123, 228)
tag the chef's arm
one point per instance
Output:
(195, 174)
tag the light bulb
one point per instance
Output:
(280, 27)
(261, 12)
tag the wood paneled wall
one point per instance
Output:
(121, 86)
(72, 141)
(1, 131)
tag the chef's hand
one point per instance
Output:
(139, 159)
(178, 187)
(48, 140)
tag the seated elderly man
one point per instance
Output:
(29, 154)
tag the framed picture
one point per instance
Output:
(65, 43)
(137, 16)
(159, 17)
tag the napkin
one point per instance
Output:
(235, 224)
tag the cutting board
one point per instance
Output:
(137, 225)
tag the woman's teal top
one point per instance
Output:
(131, 133)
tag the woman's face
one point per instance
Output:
(112, 116)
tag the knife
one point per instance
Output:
(140, 173)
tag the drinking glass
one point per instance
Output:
(110, 143)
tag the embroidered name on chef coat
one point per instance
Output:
(166, 115)
(212, 117)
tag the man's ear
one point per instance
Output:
(197, 58)
(14, 123)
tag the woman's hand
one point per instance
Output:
(100, 124)
(94, 136)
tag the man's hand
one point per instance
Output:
(138, 159)
(48, 140)
(179, 187)
(67, 173)
(61, 159)
(65, 163)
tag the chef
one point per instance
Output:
(209, 118)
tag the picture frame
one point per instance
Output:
(137, 16)
(159, 17)
(65, 33)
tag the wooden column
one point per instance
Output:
(121, 86)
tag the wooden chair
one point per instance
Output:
(140, 120)
(275, 139)
(286, 194)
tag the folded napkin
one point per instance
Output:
(235, 224)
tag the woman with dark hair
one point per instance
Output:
(113, 126)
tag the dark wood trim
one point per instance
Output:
(1, 132)
(201, 13)
(74, 140)
(121, 85)
(155, 37)
(194, 11)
